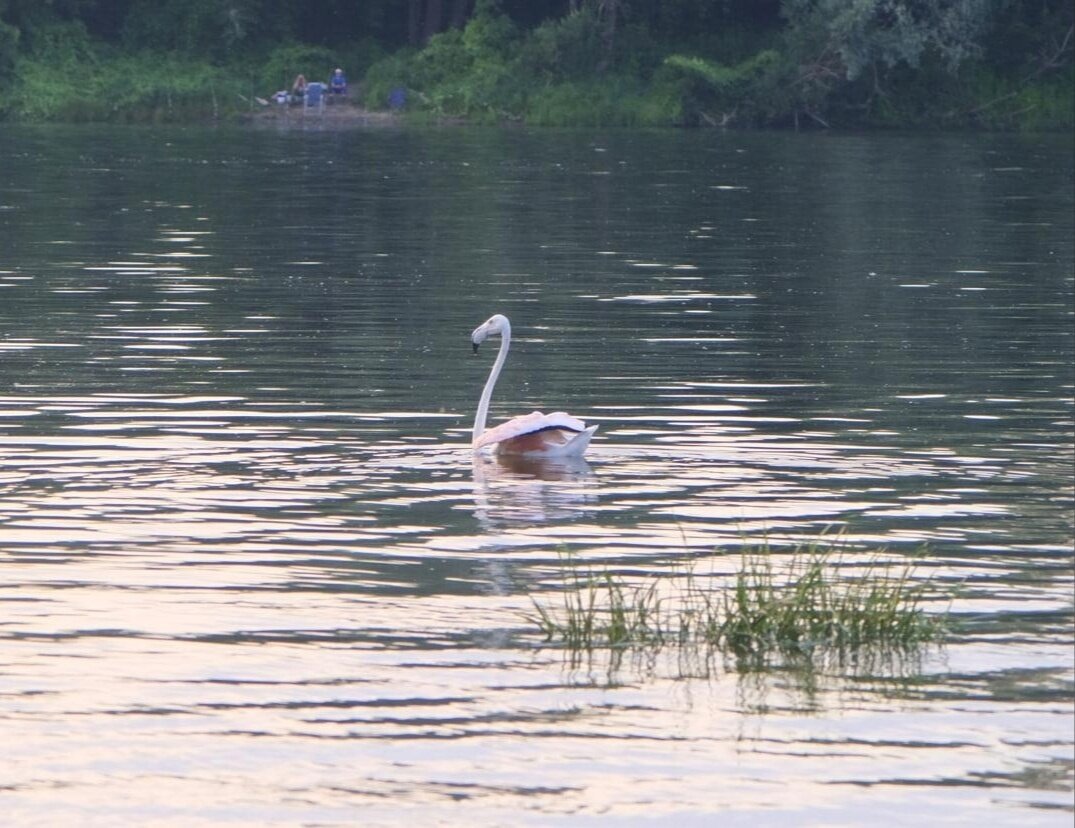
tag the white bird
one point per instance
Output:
(534, 434)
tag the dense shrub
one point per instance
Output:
(121, 87)
(278, 70)
(718, 94)
(553, 76)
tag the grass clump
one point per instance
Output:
(814, 603)
(602, 611)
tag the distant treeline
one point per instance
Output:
(994, 64)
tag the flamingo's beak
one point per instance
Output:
(475, 344)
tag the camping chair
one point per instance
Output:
(314, 97)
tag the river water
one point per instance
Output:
(250, 574)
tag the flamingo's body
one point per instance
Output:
(534, 434)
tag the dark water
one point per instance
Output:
(250, 575)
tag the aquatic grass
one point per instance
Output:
(602, 608)
(808, 605)
(813, 603)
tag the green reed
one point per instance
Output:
(811, 602)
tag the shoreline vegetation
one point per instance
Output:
(875, 64)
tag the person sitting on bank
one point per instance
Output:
(298, 88)
(338, 84)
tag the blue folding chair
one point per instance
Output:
(314, 97)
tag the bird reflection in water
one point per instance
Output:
(516, 490)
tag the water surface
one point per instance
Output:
(250, 573)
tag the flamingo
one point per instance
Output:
(534, 434)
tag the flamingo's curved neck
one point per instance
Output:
(494, 374)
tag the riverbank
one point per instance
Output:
(1007, 67)
(337, 115)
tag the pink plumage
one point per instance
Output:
(537, 433)
(534, 434)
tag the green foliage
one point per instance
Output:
(612, 102)
(602, 611)
(204, 28)
(586, 104)
(386, 74)
(490, 72)
(490, 36)
(561, 49)
(903, 63)
(59, 50)
(445, 59)
(279, 68)
(843, 61)
(807, 606)
(813, 605)
(712, 90)
(466, 73)
(888, 32)
(455, 75)
(1001, 102)
(123, 88)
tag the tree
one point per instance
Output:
(426, 18)
(831, 44)
(851, 37)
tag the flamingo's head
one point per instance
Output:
(496, 324)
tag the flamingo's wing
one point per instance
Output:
(528, 424)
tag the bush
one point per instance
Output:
(1003, 102)
(715, 93)
(391, 72)
(147, 88)
(562, 49)
(489, 72)
(609, 102)
(279, 69)
(40, 78)
(469, 73)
